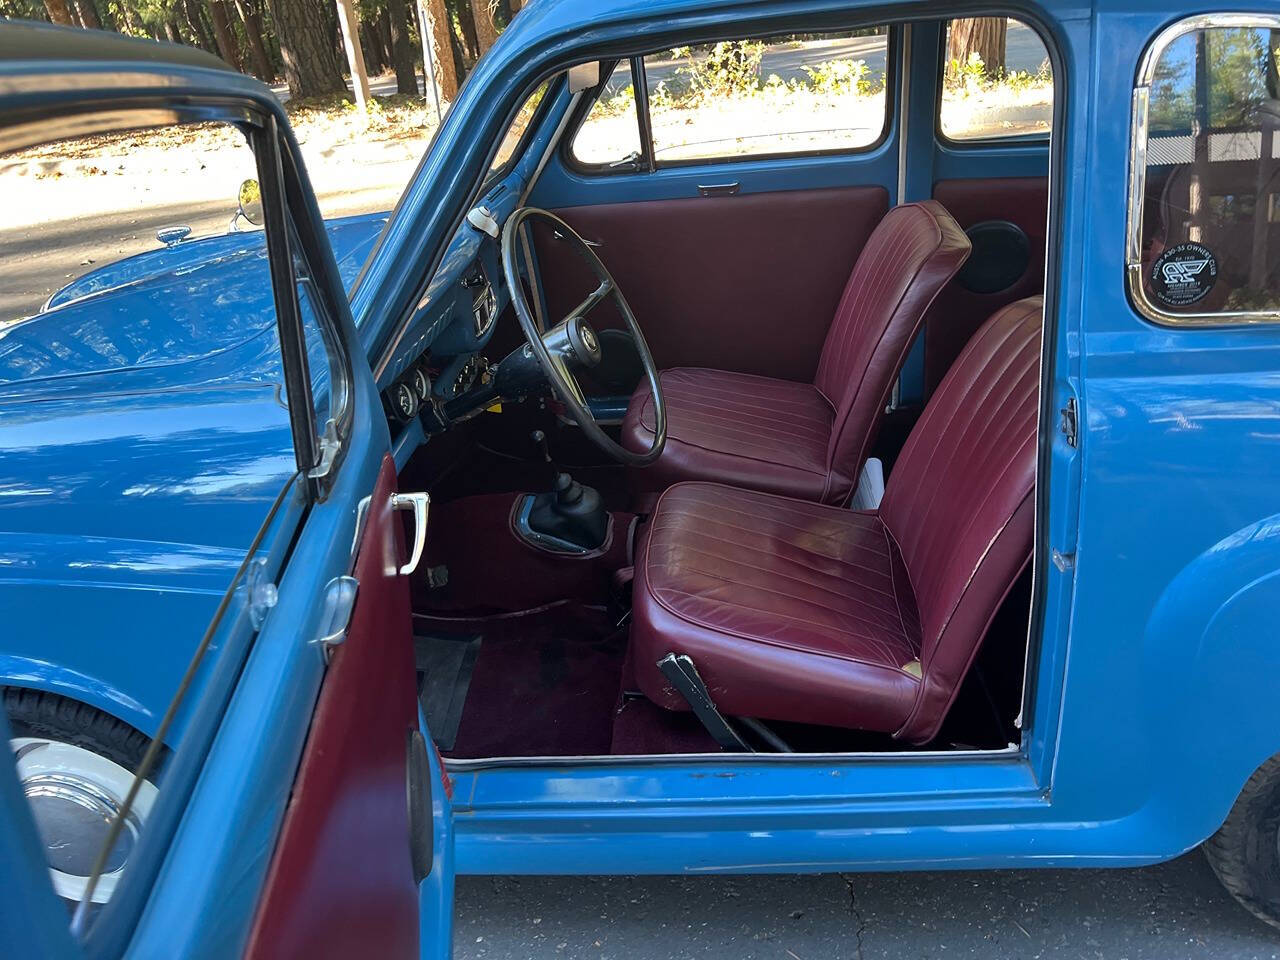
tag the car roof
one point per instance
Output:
(28, 41)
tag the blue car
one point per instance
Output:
(782, 437)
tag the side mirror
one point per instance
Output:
(250, 202)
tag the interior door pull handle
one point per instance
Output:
(719, 189)
(590, 243)
(419, 503)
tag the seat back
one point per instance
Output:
(908, 259)
(960, 502)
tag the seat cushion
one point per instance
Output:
(734, 428)
(791, 610)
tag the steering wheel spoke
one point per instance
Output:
(572, 343)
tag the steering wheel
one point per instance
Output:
(572, 342)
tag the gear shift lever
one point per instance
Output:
(569, 514)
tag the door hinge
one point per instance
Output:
(1063, 561)
(1069, 422)
(335, 616)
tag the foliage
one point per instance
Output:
(725, 69)
(842, 78)
(972, 77)
(1241, 64)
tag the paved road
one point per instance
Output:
(1172, 911)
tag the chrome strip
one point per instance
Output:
(1139, 129)
(1012, 751)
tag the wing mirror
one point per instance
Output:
(248, 204)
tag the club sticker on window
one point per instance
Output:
(1184, 274)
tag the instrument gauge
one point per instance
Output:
(421, 384)
(404, 402)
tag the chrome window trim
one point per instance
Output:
(1139, 130)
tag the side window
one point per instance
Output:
(610, 135)
(996, 83)
(1204, 240)
(735, 100)
(514, 136)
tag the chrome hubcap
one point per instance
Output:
(75, 794)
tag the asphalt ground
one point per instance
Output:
(1167, 912)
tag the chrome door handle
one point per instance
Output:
(590, 243)
(719, 189)
(419, 503)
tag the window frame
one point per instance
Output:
(1139, 132)
(648, 162)
(986, 143)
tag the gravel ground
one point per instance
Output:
(1166, 912)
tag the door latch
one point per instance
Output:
(260, 593)
(335, 614)
(1069, 422)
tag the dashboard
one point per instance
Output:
(440, 359)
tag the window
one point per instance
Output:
(1204, 230)
(795, 94)
(996, 81)
(515, 133)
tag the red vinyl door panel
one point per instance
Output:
(958, 313)
(341, 882)
(746, 283)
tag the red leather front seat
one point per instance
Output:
(805, 612)
(808, 440)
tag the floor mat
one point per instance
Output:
(544, 683)
(446, 663)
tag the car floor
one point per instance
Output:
(522, 653)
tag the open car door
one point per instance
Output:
(297, 808)
(344, 879)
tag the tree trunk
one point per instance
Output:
(372, 49)
(252, 20)
(402, 56)
(470, 44)
(441, 37)
(306, 46)
(88, 15)
(195, 22)
(59, 12)
(227, 49)
(984, 36)
(486, 32)
(171, 31)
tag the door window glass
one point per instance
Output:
(514, 137)
(1205, 236)
(997, 81)
(610, 135)
(738, 99)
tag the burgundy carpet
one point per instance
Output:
(545, 682)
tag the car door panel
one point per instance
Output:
(1021, 201)
(747, 283)
(341, 882)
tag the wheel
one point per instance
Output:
(75, 765)
(1245, 852)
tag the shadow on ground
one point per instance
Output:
(1166, 912)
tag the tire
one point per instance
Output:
(1245, 852)
(71, 759)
